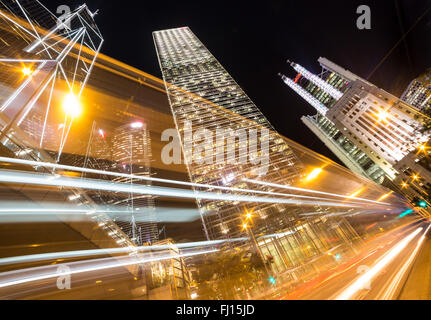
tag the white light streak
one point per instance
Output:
(89, 184)
(308, 191)
(15, 280)
(100, 252)
(390, 292)
(188, 184)
(358, 284)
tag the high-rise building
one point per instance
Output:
(204, 97)
(415, 175)
(44, 61)
(131, 151)
(369, 129)
(418, 93)
(36, 46)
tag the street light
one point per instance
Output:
(423, 148)
(415, 177)
(71, 106)
(382, 116)
(27, 71)
(249, 229)
(249, 215)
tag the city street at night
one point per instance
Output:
(197, 154)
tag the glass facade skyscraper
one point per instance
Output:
(205, 97)
(204, 94)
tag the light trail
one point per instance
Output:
(174, 182)
(307, 190)
(359, 283)
(16, 279)
(47, 214)
(385, 196)
(88, 184)
(390, 292)
(99, 252)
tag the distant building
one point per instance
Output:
(369, 129)
(418, 93)
(131, 151)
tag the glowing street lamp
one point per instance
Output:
(404, 185)
(415, 177)
(71, 106)
(382, 116)
(423, 148)
(27, 71)
(249, 215)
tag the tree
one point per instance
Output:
(228, 270)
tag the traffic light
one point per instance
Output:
(423, 204)
(272, 281)
(420, 203)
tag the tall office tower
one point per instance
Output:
(43, 61)
(204, 97)
(57, 56)
(131, 151)
(418, 93)
(369, 129)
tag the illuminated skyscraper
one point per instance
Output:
(418, 93)
(131, 151)
(203, 93)
(203, 96)
(369, 129)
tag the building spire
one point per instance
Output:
(320, 107)
(317, 81)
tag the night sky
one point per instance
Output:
(253, 40)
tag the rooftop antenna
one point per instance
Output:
(95, 13)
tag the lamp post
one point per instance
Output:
(245, 226)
